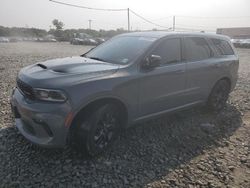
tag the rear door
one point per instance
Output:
(163, 87)
(201, 68)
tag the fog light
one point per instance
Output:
(44, 125)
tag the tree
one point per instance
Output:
(58, 24)
(59, 29)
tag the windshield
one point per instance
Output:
(120, 50)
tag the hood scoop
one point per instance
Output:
(41, 65)
(56, 69)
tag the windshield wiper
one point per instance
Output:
(96, 58)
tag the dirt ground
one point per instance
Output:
(192, 148)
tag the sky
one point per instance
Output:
(189, 14)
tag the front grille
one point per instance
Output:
(25, 89)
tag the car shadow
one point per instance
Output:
(142, 155)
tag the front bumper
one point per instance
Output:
(42, 123)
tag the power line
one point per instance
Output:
(91, 8)
(101, 9)
(84, 7)
(146, 20)
(163, 18)
(157, 19)
(141, 17)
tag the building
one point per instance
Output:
(235, 33)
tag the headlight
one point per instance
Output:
(50, 95)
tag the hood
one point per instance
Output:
(67, 70)
(69, 66)
(74, 65)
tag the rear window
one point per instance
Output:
(196, 49)
(222, 47)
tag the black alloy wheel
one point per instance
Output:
(98, 131)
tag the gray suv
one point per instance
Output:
(88, 100)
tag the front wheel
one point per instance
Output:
(219, 95)
(96, 133)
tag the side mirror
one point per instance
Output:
(152, 61)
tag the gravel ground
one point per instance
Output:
(190, 149)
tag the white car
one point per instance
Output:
(4, 40)
(245, 43)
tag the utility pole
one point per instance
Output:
(90, 24)
(173, 23)
(128, 21)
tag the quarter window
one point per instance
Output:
(169, 50)
(222, 47)
(196, 49)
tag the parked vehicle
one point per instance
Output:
(91, 42)
(76, 41)
(4, 40)
(245, 43)
(86, 41)
(88, 100)
(241, 43)
(50, 40)
(99, 40)
(236, 42)
(40, 39)
(14, 39)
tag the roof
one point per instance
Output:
(160, 34)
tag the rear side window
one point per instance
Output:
(222, 47)
(196, 49)
(169, 50)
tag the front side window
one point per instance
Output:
(196, 49)
(169, 50)
(121, 50)
(222, 47)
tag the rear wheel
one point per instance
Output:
(98, 131)
(219, 95)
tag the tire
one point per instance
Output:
(97, 132)
(219, 95)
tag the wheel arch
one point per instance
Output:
(222, 78)
(90, 107)
(225, 78)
